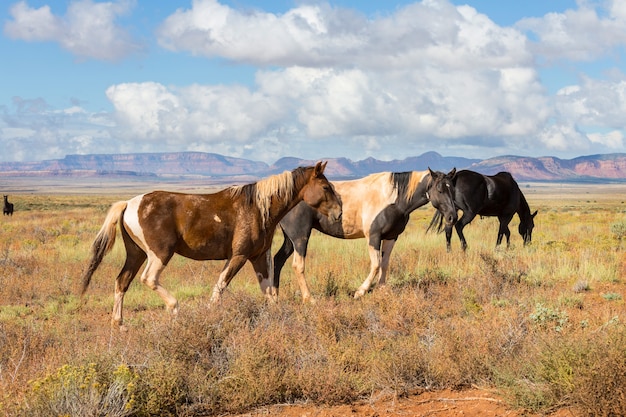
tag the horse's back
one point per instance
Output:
(487, 195)
(362, 200)
(503, 194)
(470, 190)
(187, 223)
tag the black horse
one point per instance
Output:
(8, 207)
(488, 195)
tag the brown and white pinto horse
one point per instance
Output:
(376, 207)
(236, 224)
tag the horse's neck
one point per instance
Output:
(523, 210)
(418, 199)
(279, 207)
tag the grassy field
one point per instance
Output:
(544, 325)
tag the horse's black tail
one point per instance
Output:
(105, 239)
(437, 218)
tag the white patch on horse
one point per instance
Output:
(131, 220)
(217, 218)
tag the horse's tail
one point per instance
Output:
(105, 239)
(437, 218)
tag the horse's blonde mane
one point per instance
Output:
(280, 186)
(414, 182)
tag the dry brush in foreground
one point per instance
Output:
(543, 325)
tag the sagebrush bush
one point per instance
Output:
(599, 380)
(82, 390)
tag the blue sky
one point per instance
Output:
(267, 79)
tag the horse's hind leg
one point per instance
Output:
(387, 247)
(135, 257)
(233, 265)
(281, 257)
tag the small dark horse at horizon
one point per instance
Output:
(489, 196)
(8, 207)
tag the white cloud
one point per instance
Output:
(431, 33)
(593, 103)
(34, 131)
(87, 30)
(612, 140)
(579, 35)
(562, 138)
(212, 114)
(314, 105)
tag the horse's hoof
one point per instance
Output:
(174, 310)
(359, 294)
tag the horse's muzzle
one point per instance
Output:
(451, 219)
(335, 215)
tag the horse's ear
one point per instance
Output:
(430, 171)
(534, 214)
(452, 173)
(319, 168)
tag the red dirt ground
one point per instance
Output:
(470, 403)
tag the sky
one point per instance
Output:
(263, 80)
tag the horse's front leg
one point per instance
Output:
(375, 261)
(503, 230)
(460, 225)
(233, 265)
(448, 229)
(501, 233)
(265, 275)
(299, 266)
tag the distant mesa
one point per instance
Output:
(606, 167)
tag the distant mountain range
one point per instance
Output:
(607, 167)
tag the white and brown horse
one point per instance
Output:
(236, 224)
(376, 207)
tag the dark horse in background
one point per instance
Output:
(491, 196)
(8, 207)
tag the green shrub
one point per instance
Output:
(83, 390)
(619, 230)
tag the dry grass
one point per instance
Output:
(543, 324)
